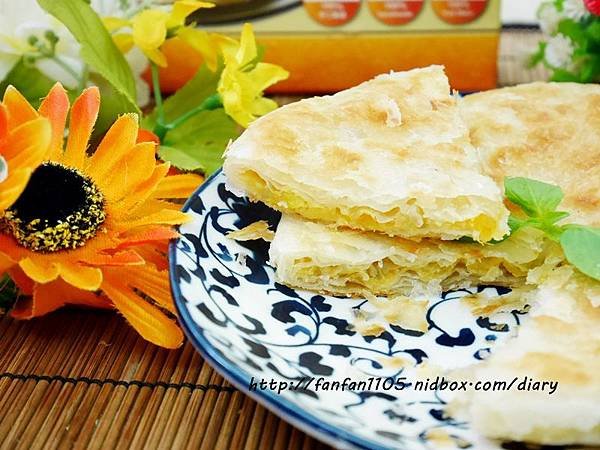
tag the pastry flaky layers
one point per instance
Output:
(391, 155)
(559, 342)
(545, 131)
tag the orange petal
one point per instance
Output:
(151, 323)
(155, 254)
(5, 263)
(27, 145)
(13, 186)
(136, 166)
(143, 191)
(56, 107)
(116, 143)
(166, 217)
(83, 117)
(52, 296)
(153, 283)
(19, 109)
(39, 270)
(124, 258)
(150, 235)
(178, 186)
(10, 248)
(147, 136)
(82, 277)
(3, 121)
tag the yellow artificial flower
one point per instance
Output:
(243, 80)
(24, 143)
(150, 29)
(92, 230)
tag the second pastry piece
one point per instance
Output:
(391, 155)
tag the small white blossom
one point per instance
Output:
(139, 63)
(23, 22)
(575, 9)
(549, 17)
(24, 28)
(559, 51)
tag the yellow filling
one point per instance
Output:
(392, 222)
(389, 278)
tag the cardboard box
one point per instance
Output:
(329, 45)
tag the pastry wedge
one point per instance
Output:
(546, 131)
(559, 343)
(518, 131)
(317, 257)
(391, 155)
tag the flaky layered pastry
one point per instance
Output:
(390, 155)
(560, 343)
(519, 131)
(546, 131)
(317, 257)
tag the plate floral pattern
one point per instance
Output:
(249, 327)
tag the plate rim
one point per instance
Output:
(285, 409)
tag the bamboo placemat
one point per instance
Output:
(85, 380)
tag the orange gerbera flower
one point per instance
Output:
(24, 143)
(91, 230)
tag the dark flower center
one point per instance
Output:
(59, 209)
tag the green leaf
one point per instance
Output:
(535, 198)
(199, 143)
(193, 93)
(573, 30)
(112, 105)
(555, 216)
(9, 293)
(582, 249)
(180, 157)
(559, 4)
(514, 223)
(563, 75)
(97, 47)
(590, 69)
(538, 56)
(32, 83)
(593, 31)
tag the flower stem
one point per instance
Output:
(160, 129)
(209, 103)
(157, 93)
(59, 62)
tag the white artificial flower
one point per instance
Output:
(126, 8)
(549, 17)
(116, 8)
(24, 20)
(139, 63)
(559, 51)
(575, 9)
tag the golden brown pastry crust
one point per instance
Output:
(390, 155)
(559, 342)
(546, 131)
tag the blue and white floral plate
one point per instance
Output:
(251, 328)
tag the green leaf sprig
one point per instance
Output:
(539, 202)
(198, 142)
